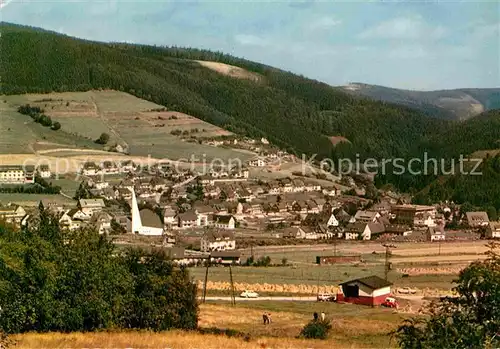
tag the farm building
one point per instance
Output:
(370, 290)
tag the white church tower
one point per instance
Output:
(145, 222)
(136, 216)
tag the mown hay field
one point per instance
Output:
(353, 327)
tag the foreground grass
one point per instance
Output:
(172, 339)
(353, 327)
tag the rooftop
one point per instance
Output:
(374, 282)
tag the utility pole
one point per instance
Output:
(335, 245)
(387, 266)
(206, 279)
(233, 298)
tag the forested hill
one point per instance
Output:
(294, 112)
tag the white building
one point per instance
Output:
(91, 206)
(17, 174)
(257, 162)
(102, 222)
(217, 241)
(44, 171)
(12, 213)
(332, 221)
(73, 219)
(169, 216)
(101, 185)
(224, 222)
(188, 219)
(493, 231)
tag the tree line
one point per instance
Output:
(55, 280)
(37, 114)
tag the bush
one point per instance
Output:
(103, 139)
(56, 126)
(316, 329)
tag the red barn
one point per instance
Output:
(370, 290)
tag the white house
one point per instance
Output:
(493, 231)
(188, 219)
(73, 219)
(436, 233)
(169, 216)
(101, 185)
(217, 241)
(363, 231)
(367, 216)
(224, 222)
(151, 223)
(12, 213)
(102, 221)
(91, 206)
(17, 174)
(294, 233)
(90, 169)
(477, 219)
(332, 221)
(44, 171)
(257, 162)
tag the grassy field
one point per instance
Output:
(419, 266)
(321, 275)
(353, 327)
(128, 120)
(34, 199)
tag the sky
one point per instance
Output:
(420, 45)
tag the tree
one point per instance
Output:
(103, 139)
(56, 126)
(466, 207)
(492, 213)
(471, 320)
(83, 192)
(117, 228)
(55, 280)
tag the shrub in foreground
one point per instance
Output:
(316, 329)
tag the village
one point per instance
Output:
(195, 215)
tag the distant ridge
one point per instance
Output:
(458, 104)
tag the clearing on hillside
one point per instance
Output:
(231, 70)
(141, 127)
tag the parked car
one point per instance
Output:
(249, 294)
(390, 302)
(406, 290)
(326, 297)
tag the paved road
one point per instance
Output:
(275, 298)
